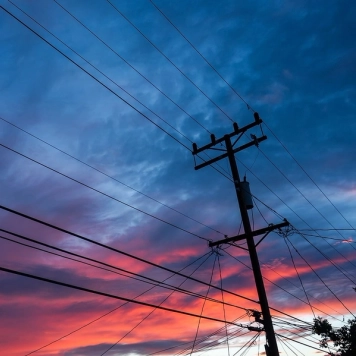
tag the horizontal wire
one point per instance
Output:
(118, 251)
(169, 60)
(104, 194)
(108, 176)
(108, 295)
(93, 77)
(105, 86)
(299, 342)
(137, 276)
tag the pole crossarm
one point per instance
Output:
(236, 131)
(253, 233)
(213, 160)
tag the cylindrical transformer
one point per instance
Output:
(246, 194)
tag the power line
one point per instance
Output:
(300, 280)
(93, 77)
(249, 107)
(130, 65)
(153, 310)
(92, 291)
(301, 167)
(319, 277)
(169, 60)
(105, 86)
(283, 289)
(108, 176)
(102, 193)
(328, 259)
(118, 251)
(206, 61)
(322, 215)
(202, 308)
(298, 342)
(108, 267)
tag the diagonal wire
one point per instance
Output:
(92, 76)
(275, 284)
(300, 280)
(303, 195)
(306, 173)
(130, 65)
(102, 193)
(111, 311)
(249, 107)
(202, 309)
(223, 304)
(108, 247)
(206, 61)
(111, 177)
(320, 278)
(169, 60)
(115, 83)
(153, 310)
(247, 344)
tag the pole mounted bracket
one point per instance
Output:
(265, 230)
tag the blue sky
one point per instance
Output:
(119, 117)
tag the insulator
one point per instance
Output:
(213, 139)
(256, 116)
(195, 147)
(236, 127)
(246, 194)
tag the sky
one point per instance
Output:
(100, 104)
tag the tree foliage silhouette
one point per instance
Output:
(344, 338)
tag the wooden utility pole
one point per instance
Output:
(241, 191)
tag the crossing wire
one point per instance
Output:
(108, 295)
(290, 208)
(126, 273)
(117, 250)
(104, 194)
(106, 87)
(300, 279)
(199, 53)
(275, 284)
(223, 303)
(168, 59)
(301, 193)
(111, 177)
(130, 65)
(201, 340)
(250, 108)
(153, 310)
(92, 76)
(202, 308)
(306, 173)
(327, 258)
(319, 277)
(100, 317)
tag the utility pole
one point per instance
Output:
(243, 195)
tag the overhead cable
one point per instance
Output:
(108, 295)
(117, 250)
